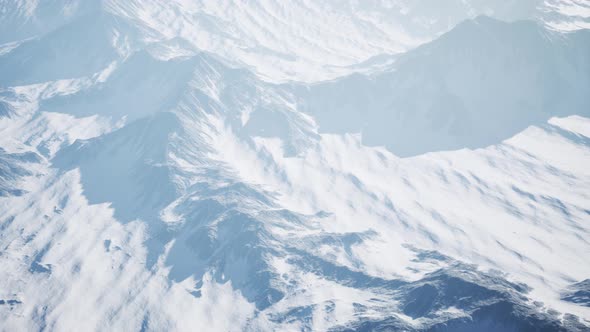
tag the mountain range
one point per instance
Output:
(311, 165)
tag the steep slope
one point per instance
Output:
(177, 192)
(310, 41)
(301, 40)
(298, 269)
(482, 82)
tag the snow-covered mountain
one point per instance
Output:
(482, 82)
(302, 40)
(187, 165)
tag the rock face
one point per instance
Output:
(169, 166)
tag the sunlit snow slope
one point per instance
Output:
(155, 175)
(300, 40)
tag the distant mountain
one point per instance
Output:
(477, 85)
(169, 166)
(301, 41)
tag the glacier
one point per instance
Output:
(311, 165)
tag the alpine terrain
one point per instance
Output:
(325, 165)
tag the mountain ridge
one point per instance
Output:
(176, 190)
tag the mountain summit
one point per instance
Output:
(306, 166)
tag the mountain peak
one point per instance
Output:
(425, 168)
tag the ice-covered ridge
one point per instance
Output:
(480, 83)
(181, 188)
(503, 200)
(472, 205)
(300, 40)
(311, 40)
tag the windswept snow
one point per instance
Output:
(156, 175)
(301, 40)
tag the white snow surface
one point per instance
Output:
(301, 40)
(172, 184)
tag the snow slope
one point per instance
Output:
(149, 182)
(477, 85)
(302, 40)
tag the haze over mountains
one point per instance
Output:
(302, 40)
(311, 165)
